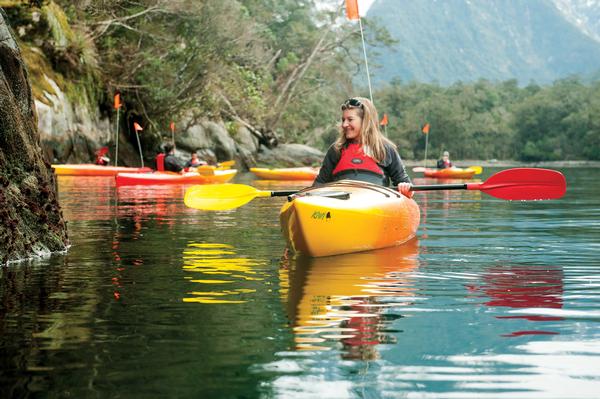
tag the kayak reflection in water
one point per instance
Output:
(338, 301)
(362, 152)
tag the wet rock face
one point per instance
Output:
(31, 222)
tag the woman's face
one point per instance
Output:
(351, 123)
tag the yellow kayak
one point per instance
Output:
(94, 170)
(348, 216)
(302, 173)
(450, 173)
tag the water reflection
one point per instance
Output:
(525, 287)
(337, 301)
(219, 274)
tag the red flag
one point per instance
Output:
(172, 127)
(137, 127)
(425, 128)
(384, 120)
(352, 9)
(118, 101)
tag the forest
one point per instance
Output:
(283, 67)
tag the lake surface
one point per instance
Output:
(494, 299)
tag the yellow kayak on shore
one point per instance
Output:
(347, 216)
(301, 173)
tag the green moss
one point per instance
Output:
(38, 68)
(59, 25)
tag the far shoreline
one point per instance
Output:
(508, 163)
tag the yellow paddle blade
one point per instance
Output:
(477, 169)
(221, 197)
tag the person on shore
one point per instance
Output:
(171, 162)
(444, 163)
(362, 152)
(194, 162)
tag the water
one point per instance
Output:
(494, 299)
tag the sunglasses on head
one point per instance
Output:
(350, 103)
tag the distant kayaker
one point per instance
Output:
(171, 162)
(194, 162)
(362, 152)
(445, 161)
(101, 158)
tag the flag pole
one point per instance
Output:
(362, 36)
(137, 128)
(117, 139)
(426, 140)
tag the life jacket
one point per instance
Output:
(160, 162)
(353, 161)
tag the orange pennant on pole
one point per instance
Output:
(425, 128)
(117, 103)
(384, 120)
(137, 127)
(352, 9)
(172, 127)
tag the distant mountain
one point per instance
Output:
(585, 14)
(464, 40)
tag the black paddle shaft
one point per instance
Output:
(430, 187)
(283, 193)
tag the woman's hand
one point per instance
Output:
(404, 189)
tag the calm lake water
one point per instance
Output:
(494, 299)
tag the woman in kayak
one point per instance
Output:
(361, 152)
(445, 161)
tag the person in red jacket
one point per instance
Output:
(362, 152)
(445, 161)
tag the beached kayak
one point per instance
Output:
(302, 173)
(94, 170)
(346, 217)
(450, 173)
(219, 176)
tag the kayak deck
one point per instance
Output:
(450, 173)
(94, 170)
(159, 178)
(371, 217)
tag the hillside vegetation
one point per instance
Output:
(282, 67)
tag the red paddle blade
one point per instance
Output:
(522, 184)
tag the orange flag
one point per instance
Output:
(384, 120)
(352, 9)
(172, 127)
(137, 127)
(118, 101)
(425, 128)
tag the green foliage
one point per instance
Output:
(485, 121)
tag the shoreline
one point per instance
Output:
(508, 163)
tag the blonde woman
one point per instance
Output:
(361, 152)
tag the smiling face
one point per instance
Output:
(351, 124)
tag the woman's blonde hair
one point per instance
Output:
(371, 138)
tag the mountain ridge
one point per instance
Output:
(462, 40)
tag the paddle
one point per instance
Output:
(513, 184)
(510, 184)
(220, 197)
(477, 169)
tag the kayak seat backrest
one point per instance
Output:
(160, 162)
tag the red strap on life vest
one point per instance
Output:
(353, 158)
(160, 162)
